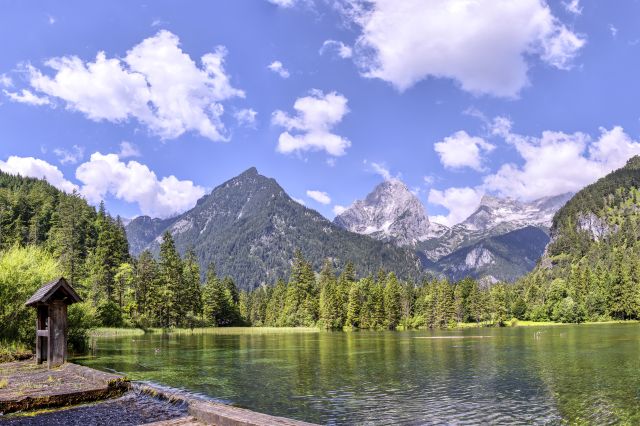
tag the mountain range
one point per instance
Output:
(249, 228)
(501, 240)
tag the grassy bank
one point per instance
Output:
(14, 352)
(117, 332)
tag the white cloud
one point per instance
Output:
(573, 6)
(5, 80)
(484, 45)
(429, 180)
(278, 68)
(156, 83)
(557, 162)
(460, 202)
(462, 150)
(338, 209)
(36, 168)
(338, 47)
(299, 201)
(52, 20)
(316, 115)
(319, 196)
(283, 3)
(246, 117)
(27, 97)
(614, 30)
(379, 169)
(127, 149)
(136, 183)
(72, 156)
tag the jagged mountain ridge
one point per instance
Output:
(494, 216)
(504, 257)
(389, 213)
(392, 213)
(249, 228)
(142, 230)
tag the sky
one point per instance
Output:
(150, 105)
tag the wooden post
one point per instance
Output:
(57, 333)
(42, 333)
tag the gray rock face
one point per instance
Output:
(494, 212)
(494, 216)
(389, 213)
(249, 228)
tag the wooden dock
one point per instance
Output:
(25, 385)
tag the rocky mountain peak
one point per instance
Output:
(389, 213)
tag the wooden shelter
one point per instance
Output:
(51, 302)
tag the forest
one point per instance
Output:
(46, 233)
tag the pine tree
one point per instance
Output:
(172, 292)
(392, 308)
(354, 305)
(192, 289)
(330, 299)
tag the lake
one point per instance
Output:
(573, 373)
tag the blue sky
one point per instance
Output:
(150, 105)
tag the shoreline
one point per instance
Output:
(103, 332)
(72, 388)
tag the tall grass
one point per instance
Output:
(13, 351)
(116, 332)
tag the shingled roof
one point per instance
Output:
(46, 291)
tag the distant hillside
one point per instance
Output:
(250, 228)
(503, 257)
(142, 230)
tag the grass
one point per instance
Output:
(3, 383)
(112, 332)
(14, 351)
(115, 332)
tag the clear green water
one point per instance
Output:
(575, 374)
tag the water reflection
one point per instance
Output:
(519, 375)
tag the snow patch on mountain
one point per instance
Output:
(390, 213)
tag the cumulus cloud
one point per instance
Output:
(312, 125)
(127, 149)
(379, 169)
(484, 45)
(283, 3)
(72, 156)
(341, 49)
(319, 196)
(36, 168)
(26, 96)
(460, 202)
(246, 117)
(135, 183)
(338, 209)
(278, 68)
(299, 201)
(5, 80)
(573, 6)
(558, 162)
(156, 83)
(462, 150)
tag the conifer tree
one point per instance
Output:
(392, 308)
(330, 299)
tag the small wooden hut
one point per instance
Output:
(51, 302)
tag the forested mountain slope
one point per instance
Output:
(591, 269)
(250, 228)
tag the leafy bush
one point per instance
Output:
(22, 271)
